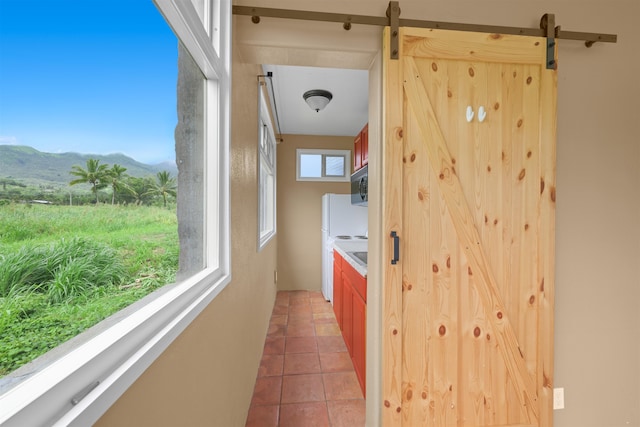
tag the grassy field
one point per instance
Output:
(65, 268)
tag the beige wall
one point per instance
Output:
(206, 376)
(300, 213)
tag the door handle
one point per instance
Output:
(396, 247)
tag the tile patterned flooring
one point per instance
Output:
(306, 377)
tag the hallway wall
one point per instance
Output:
(300, 213)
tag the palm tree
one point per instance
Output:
(137, 189)
(117, 177)
(95, 174)
(164, 186)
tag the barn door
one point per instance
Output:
(468, 307)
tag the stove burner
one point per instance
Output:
(343, 237)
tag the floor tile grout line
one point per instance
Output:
(317, 352)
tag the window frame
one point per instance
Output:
(80, 385)
(267, 159)
(325, 153)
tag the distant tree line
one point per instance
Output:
(107, 184)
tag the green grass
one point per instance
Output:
(65, 268)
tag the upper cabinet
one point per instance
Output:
(361, 148)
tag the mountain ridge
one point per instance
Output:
(25, 163)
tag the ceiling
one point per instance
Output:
(345, 115)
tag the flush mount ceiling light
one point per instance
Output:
(317, 98)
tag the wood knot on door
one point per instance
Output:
(522, 174)
(423, 194)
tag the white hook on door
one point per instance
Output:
(482, 114)
(469, 114)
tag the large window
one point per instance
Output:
(267, 174)
(77, 388)
(323, 165)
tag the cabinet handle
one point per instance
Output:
(396, 247)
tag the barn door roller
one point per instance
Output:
(393, 13)
(547, 25)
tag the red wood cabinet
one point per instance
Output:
(337, 287)
(359, 326)
(347, 312)
(365, 145)
(361, 148)
(349, 305)
(357, 152)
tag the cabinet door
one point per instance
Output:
(337, 288)
(358, 282)
(365, 145)
(357, 152)
(359, 339)
(347, 312)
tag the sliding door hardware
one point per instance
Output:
(394, 21)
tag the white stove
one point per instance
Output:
(346, 237)
(341, 221)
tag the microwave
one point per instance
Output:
(359, 186)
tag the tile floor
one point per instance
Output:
(306, 377)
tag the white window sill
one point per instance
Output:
(97, 372)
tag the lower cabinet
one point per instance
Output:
(359, 325)
(337, 287)
(349, 305)
(347, 312)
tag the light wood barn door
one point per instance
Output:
(468, 308)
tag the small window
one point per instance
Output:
(323, 165)
(267, 174)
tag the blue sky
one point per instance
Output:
(88, 76)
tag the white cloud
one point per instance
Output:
(8, 140)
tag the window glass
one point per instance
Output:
(89, 182)
(335, 165)
(98, 366)
(267, 173)
(311, 166)
(322, 165)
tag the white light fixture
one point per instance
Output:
(317, 99)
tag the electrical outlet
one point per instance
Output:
(558, 398)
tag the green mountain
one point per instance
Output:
(32, 167)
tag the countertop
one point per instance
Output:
(343, 247)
